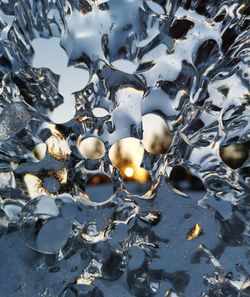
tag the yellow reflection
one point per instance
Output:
(61, 175)
(90, 148)
(129, 172)
(156, 135)
(127, 154)
(34, 186)
(141, 175)
(57, 145)
(194, 232)
(80, 280)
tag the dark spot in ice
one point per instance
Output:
(180, 28)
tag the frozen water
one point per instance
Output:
(82, 73)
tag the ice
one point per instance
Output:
(46, 224)
(167, 79)
(13, 120)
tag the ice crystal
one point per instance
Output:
(81, 72)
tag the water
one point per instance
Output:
(72, 70)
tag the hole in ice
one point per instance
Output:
(127, 154)
(181, 179)
(91, 148)
(49, 54)
(206, 50)
(234, 155)
(71, 79)
(46, 223)
(40, 151)
(100, 112)
(139, 187)
(155, 7)
(124, 65)
(180, 28)
(99, 188)
(156, 136)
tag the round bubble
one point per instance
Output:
(46, 223)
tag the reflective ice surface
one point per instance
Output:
(80, 69)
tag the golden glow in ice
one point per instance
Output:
(127, 155)
(34, 186)
(129, 171)
(194, 232)
(58, 146)
(82, 281)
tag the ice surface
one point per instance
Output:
(75, 71)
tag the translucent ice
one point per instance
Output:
(105, 74)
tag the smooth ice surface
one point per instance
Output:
(80, 70)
